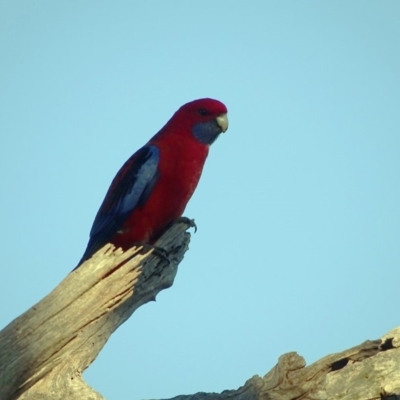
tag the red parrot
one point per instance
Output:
(152, 188)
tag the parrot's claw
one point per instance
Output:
(161, 253)
(157, 251)
(189, 222)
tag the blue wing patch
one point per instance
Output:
(130, 189)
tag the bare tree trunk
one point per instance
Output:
(44, 351)
(370, 371)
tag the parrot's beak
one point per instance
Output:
(222, 121)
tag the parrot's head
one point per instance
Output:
(207, 119)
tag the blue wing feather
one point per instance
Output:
(130, 189)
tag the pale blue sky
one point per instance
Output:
(298, 208)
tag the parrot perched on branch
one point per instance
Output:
(152, 188)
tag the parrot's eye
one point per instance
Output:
(203, 112)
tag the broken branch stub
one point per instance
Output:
(44, 351)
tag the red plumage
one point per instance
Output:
(152, 188)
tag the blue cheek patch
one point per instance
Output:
(206, 132)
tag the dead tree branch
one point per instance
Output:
(44, 351)
(370, 371)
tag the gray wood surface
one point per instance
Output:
(369, 371)
(44, 351)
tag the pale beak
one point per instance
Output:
(222, 121)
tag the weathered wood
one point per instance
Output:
(370, 371)
(44, 351)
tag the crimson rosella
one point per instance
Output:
(152, 188)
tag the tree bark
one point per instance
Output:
(44, 351)
(369, 371)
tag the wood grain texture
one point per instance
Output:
(369, 371)
(44, 351)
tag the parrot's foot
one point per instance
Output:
(161, 253)
(158, 251)
(189, 222)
